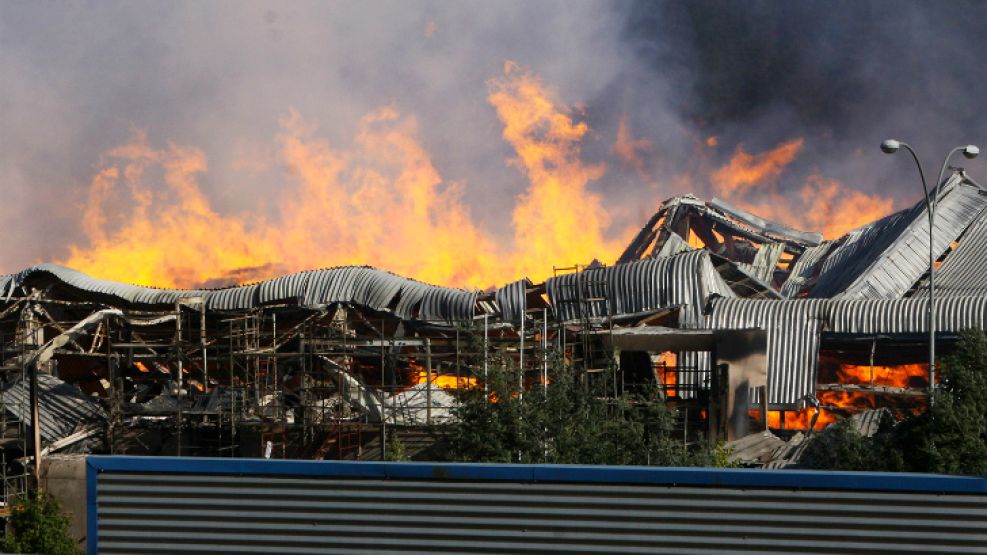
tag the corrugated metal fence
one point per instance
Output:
(172, 505)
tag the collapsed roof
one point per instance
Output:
(886, 259)
(707, 264)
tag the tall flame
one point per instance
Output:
(557, 219)
(381, 202)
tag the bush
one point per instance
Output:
(565, 423)
(37, 525)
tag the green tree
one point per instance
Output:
(950, 437)
(565, 423)
(37, 525)
(841, 447)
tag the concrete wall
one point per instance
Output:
(64, 477)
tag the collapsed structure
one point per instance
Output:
(720, 310)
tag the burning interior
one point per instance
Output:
(737, 321)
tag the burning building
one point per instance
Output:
(726, 313)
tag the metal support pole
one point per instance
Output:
(930, 205)
(485, 351)
(520, 363)
(205, 358)
(179, 380)
(35, 424)
(428, 386)
(383, 404)
(544, 348)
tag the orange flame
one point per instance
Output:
(799, 420)
(668, 372)
(905, 375)
(629, 149)
(446, 381)
(745, 171)
(557, 208)
(380, 202)
(822, 204)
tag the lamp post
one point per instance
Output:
(890, 146)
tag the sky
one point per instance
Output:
(222, 107)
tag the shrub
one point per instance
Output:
(37, 525)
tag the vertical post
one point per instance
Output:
(544, 348)
(520, 362)
(232, 396)
(428, 385)
(873, 349)
(178, 356)
(116, 391)
(35, 423)
(202, 336)
(932, 300)
(383, 405)
(486, 351)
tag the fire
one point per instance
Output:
(835, 210)
(630, 149)
(913, 376)
(557, 208)
(746, 171)
(667, 371)
(800, 420)
(821, 204)
(380, 201)
(446, 381)
(906, 375)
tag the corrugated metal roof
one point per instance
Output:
(794, 328)
(805, 268)
(886, 258)
(62, 407)
(685, 280)
(512, 300)
(756, 224)
(360, 285)
(964, 272)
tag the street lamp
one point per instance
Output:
(890, 146)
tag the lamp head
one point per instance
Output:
(971, 151)
(890, 146)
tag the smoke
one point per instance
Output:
(669, 93)
(842, 75)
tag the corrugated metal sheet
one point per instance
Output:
(964, 272)
(142, 511)
(512, 300)
(793, 342)
(364, 286)
(685, 280)
(794, 328)
(62, 407)
(760, 226)
(805, 268)
(886, 258)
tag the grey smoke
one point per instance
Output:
(79, 76)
